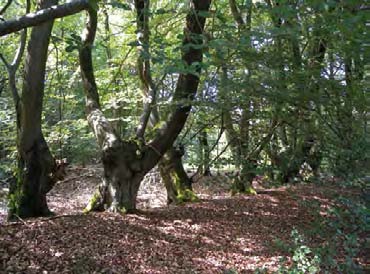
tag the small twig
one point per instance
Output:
(22, 221)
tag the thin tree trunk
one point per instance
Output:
(248, 161)
(303, 142)
(204, 167)
(232, 135)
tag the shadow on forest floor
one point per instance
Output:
(218, 233)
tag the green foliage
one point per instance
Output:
(72, 139)
(15, 196)
(342, 226)
(304, 260)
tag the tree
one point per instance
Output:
(37, 169)
(127, 161)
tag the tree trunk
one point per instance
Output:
(232, 135)
(36, 165)
(177, 183)
(204, 151)
(122, 176)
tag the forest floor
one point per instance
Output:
(219, 234)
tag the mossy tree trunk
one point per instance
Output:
(126, 162)
(177, 183)
(123, 172)
(36, 165)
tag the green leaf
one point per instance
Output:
(161, 11)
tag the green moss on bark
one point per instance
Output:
(94, 203)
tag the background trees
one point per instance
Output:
(283, 87)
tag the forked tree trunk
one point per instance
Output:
(123, 173)
(126, 162)
(36, 165)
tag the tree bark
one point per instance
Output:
(36, 165)
(126, 162)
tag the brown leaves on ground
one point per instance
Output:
(217, 235)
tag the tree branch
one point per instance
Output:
(22, 43)
(13, 67)
(6, 64)
(100, 125)
(41, 16)
(236, 14)
(3, 10)
(143, 62)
